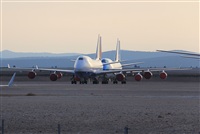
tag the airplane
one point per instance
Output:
(191, 55)
(86, 68)
(120, 76)
(108, 64)
(10, 83)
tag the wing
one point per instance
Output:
(56, 70)
(192, 57)
(185, 53)
(130, 64)
(138, 70)
(36, 68)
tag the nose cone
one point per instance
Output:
(81, 63)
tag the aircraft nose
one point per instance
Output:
(82, 64)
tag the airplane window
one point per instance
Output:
(104, 61)
(81, 58)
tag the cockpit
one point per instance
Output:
(81, 58)
(104, 61)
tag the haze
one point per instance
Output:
(74, 26)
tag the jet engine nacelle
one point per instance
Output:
(59, 74)
(53, 77)
(31, 75)
(163, 75)
(138, 77)
(147, 75)
(120, 77)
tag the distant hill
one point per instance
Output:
(150, 59)
(10, 54)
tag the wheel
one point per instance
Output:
(115, 82)
(95, 82)
(85, 82)
(104, 82)
(123, 82)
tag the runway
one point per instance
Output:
(145, 107)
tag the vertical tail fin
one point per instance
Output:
(118, 56)
(99, 49)
(11, 80)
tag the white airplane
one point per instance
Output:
(10, 83)
(120, 76)
(108, 64)
(86, 68)
(191, 55)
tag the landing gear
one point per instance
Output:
(83, 82)
(95, 82)
(104, 82)
(123, 82)
(73, 82)
(115, 82)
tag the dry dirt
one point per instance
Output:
(153, 107)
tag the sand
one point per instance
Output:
(153, 107)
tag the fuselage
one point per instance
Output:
(85, 66)
(113, 66)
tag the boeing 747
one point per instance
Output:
(86, 68)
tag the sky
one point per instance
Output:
(73, 27)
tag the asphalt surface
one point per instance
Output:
(153, 107)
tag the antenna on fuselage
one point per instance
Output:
(118, 56)
(99, 49)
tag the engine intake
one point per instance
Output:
(53, 77)
(31, 75)
(147, 75)
(120, 77)
(163, 75)
(138, 77)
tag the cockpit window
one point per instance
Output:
(81, 58)
(104, 61)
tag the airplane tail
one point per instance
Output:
(118, 56)
(11, 80)
(99, 49)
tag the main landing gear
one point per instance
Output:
(83, 82)
(116, 82)
(105, 81)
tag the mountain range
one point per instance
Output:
(10, 54)
(150, 59)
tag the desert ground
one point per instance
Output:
(150, 106)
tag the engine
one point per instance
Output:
(147, 75)
(31, 75)
(163, 75)
(59, 74)
(120, 77)
(138, 77)
(53, 77)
